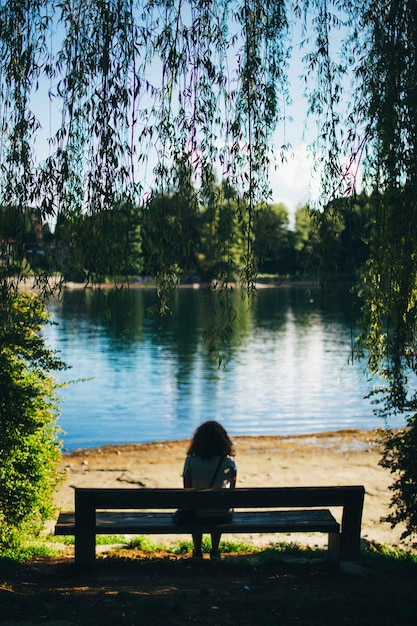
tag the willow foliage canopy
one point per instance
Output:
(103, 102)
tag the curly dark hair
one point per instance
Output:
(210, 439)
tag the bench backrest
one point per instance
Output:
(88, 500)
(258, 497)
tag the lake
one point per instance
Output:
(149, 378)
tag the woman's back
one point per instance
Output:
(217, 472)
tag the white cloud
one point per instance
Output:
(294, 182)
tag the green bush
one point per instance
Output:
(30, 448)
(400, 459)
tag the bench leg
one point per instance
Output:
(85, 547)
(334, 547)
(350, 549)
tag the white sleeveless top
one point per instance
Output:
(201, 472)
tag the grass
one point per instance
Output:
(43, 547)
(39, 547)
(101, 540)
(146, 545)
(23, 554)
(123, 548)
(388, 558)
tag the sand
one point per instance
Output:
(338, 458)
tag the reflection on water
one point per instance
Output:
(287, 369)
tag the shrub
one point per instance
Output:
(30, 449)
(400, 459)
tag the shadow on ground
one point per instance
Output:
(133, 588)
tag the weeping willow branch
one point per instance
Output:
(151, 103)
(380, 127)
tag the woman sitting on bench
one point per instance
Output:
(209, 466)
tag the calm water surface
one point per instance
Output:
(150, 378)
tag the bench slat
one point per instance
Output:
(158, 498)
(243, 522)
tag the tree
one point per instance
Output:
(379, 130)
(272, 241)
(220, 238)
(175, 91)
(105, 245)
(169, 227)
(29, 444)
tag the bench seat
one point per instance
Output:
(110, 522)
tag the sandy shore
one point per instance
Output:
(340, 458)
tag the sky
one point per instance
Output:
(293, 183)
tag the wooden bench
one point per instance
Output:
(148, 511)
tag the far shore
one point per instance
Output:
(29, 284)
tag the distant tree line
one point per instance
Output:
(202, 242)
